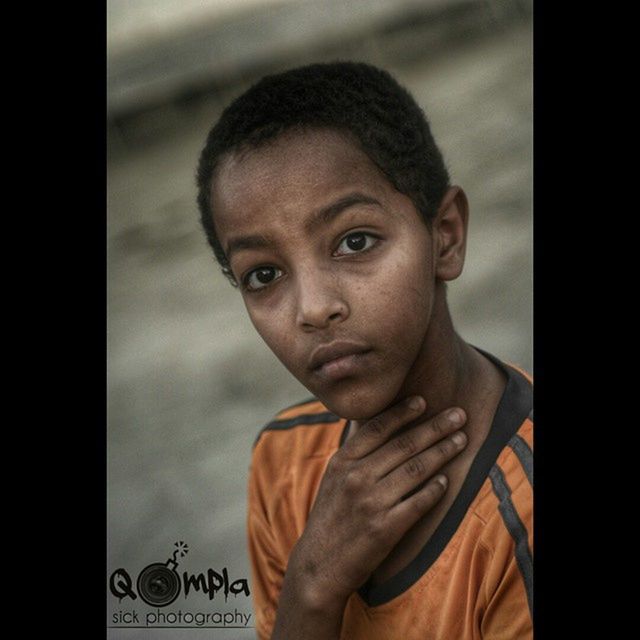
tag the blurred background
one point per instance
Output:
(190, 383)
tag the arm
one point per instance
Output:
(303, 613)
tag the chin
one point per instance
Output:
(357, 405)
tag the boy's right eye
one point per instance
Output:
(259, 278)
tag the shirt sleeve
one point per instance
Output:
(267, 565)
(507, 595)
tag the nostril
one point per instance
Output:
(318, 311)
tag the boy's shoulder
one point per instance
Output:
(301, 430)
(290, 454)
(506, 497)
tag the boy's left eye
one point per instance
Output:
(357, 242)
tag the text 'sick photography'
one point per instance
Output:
(171, 594)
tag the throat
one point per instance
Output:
(489, 386)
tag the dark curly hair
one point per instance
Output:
(357, 98)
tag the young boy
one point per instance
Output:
(326, 200)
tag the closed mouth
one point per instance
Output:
(334, 351)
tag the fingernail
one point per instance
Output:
(459, 438)
(442, 480)
(455, 417)
(416, 402)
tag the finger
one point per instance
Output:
(377, 430)
(407, 444)
(405, 514)
(418, 468)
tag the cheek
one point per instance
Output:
(401, 300)
(271, 324)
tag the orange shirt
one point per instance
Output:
(473, 578)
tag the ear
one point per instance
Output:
(450, 234)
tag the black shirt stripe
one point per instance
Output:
(516, 528)
(525, 455)
(306, 419)
(512, 410)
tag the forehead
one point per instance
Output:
(290, 177)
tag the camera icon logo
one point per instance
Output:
(159, 583)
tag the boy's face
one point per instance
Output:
(364, 272)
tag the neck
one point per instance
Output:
(445, 367)
(450, 373)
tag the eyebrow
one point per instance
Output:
(332, 211)
(321, 217)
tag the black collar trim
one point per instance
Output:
(514, 407)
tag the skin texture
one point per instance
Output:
(390, 297)
(384, 291)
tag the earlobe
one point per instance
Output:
(451, 225)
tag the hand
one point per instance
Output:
(375, 488)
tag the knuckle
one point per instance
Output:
(369, 504)
(444, 448)
(439, 425)
(426, 498)
(353, 481)
(375, 426)
(414, 467)
(421, 502)
(377, 530)
(406, 444)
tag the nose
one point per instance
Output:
(320, 301)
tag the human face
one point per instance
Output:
(325, 249)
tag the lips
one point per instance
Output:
(325, 353)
